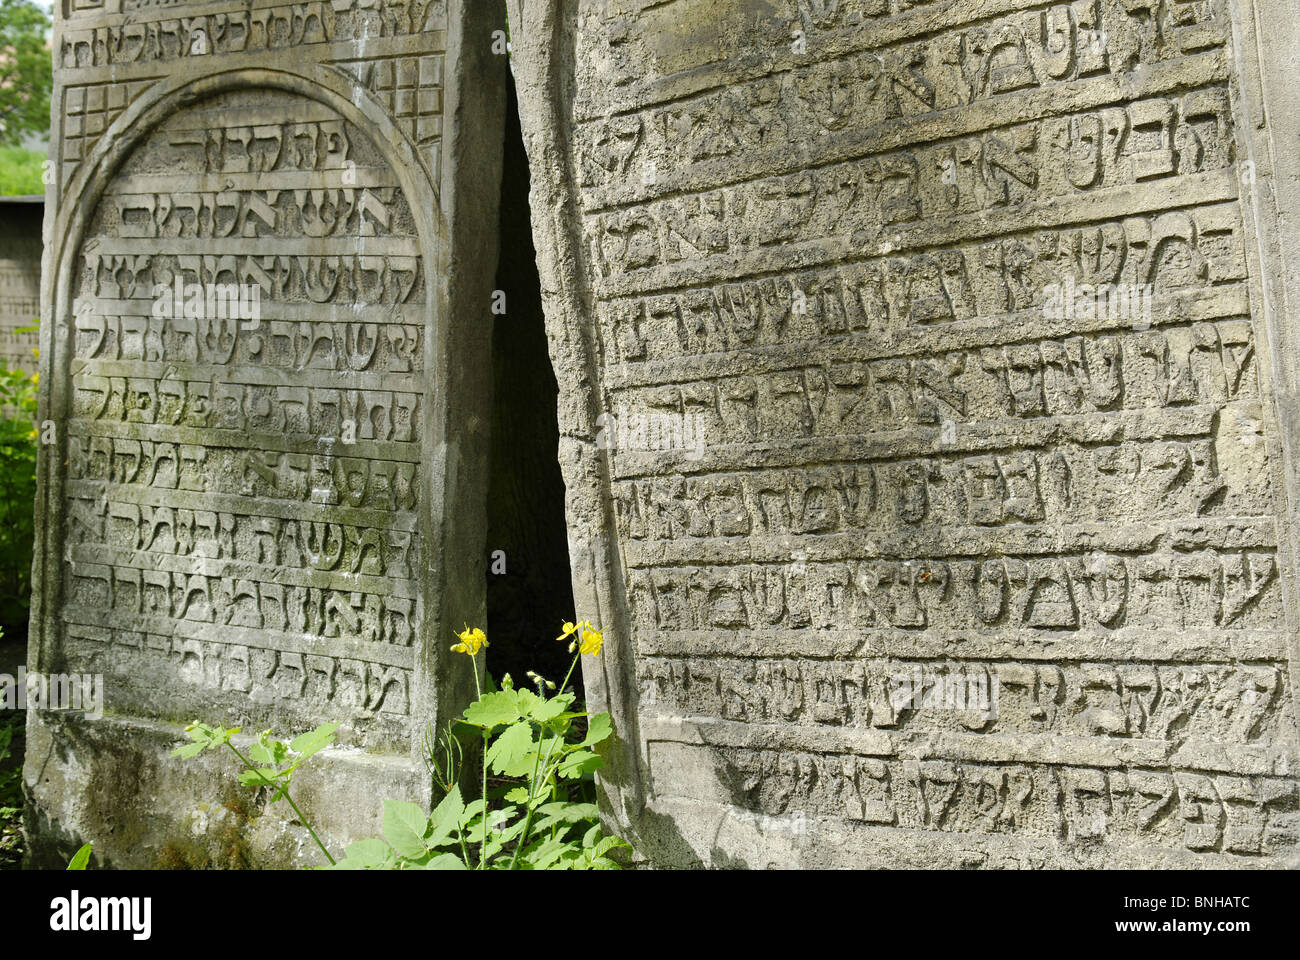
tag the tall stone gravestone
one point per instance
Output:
(921, 365)
(269, 251)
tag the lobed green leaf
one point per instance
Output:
(493, 709)
(404, 827)
(314, 741)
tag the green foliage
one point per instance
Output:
(535, 743)
(11, 789)
(81, 858)
(539, 746)
(26, 74)
(21, 172)
(447, 838)
(18, 439)
(11, 776)
(269, 763)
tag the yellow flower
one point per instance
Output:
(36, 377)
(470, 641)
(571, 628)
(592, 640)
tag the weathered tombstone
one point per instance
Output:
(270, 247)
(20, 279)
(920, 371)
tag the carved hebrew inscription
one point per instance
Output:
(110, 51)
(244, 461)
(975, 528)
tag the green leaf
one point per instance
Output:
(493, 709)
(471, 812)
(606, 845)
(369, 853)
(511, 754)
(499, 826)
(569, 812)
(552, 708)
(501, 831)
(261, 753)
(187, 750)
(445, 819)
(563, 722)
(556, 813)
(80, 858)
(259, 777)
(316, 740)
(279, 750)
(404, 826)
(599, 728)
(580, 762)
(414, 863)
(527, 701)
(517, 795)
(541, 856)
(460, 730)
(446, 861)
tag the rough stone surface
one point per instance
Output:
(266, 521)
(20, 279)
(804, 251)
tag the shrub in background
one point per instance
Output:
(18, 443)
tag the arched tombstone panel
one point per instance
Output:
(259, 412)
(917, 379)
(244, 487)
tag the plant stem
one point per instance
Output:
(482, 845)
(532, 787)
(576, 658)
(284, 793)
(532, 783)
(528, 817)
(464, 852)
